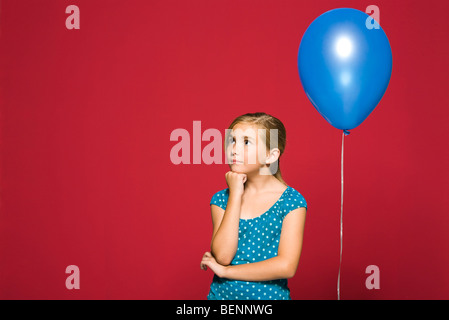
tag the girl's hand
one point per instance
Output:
(236, 182)
(209, 261)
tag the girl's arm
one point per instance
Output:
(226, 229)
(225, 234)
(282, 266)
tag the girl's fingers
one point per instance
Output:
(204, 265)
(205, 259)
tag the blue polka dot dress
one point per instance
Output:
(258, 240)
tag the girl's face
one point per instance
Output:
(245, 148)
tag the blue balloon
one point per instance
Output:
(344, 63)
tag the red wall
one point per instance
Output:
(86, 175)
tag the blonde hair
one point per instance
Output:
(267, 122)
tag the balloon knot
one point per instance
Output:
(346, 132)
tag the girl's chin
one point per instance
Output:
(236, 167)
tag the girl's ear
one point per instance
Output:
(273, 156)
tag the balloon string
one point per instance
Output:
(345, 132)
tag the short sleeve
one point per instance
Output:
(293, 200)
(220, 199)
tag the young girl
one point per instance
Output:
(258, 221)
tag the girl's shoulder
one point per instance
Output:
(220, 198)
(294, 199)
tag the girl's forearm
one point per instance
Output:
(270, 269)
(225, 241)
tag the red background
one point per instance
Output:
(86, 175)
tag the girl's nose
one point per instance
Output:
(236, 147)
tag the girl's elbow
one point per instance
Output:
(222, 259)
(290, 270)
(290, 273)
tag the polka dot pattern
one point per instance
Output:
(258, 241)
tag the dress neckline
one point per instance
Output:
(266, 212)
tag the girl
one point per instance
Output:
(258, 221)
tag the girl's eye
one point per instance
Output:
(232, 140)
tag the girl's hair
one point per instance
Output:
(267, 122)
